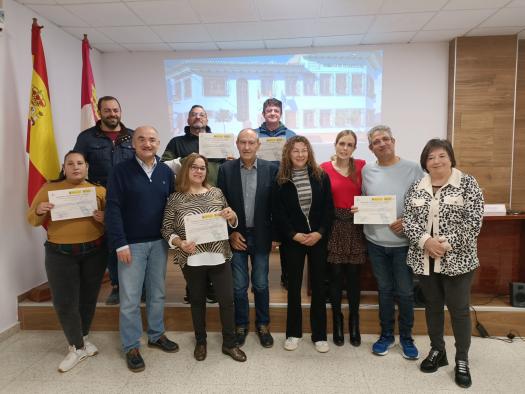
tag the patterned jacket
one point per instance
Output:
(455, 212)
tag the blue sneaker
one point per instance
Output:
(382, 345)
(410, 351)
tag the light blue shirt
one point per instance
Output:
(392, 180)
(148, 170)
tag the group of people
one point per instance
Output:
(305, 208)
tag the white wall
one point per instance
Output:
(414, 105)
(414, 90)
(21, 250)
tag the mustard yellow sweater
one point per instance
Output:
(70, 231)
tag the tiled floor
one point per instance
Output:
(29, 361)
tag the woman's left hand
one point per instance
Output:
(98, 216)
(228, 214)
(312, 238)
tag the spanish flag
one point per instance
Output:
(88, 97)
(41, 146)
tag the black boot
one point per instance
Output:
(355, 335)
(339, 336)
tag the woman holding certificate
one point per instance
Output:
(211, 258)
(303, 210)
(75, 254)
(346, 244)
(442, 220)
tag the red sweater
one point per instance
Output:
(344, 189)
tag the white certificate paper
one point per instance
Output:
(375, 209)
(271, 148)
(216, 146)
(73, 203)
(205, 227)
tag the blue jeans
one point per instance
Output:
(148, 266)
(395, 282)
(241, 281)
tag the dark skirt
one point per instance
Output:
(347, 241)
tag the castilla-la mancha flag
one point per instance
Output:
(41, 146)
(88, 100)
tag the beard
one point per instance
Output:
(111, 123)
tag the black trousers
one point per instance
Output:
(454, 292)
(349, 273)
(75, 283)
(197, 281)
(295, 257)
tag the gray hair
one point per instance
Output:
(381, 128)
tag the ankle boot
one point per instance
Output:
(355, 335)
(339, 336)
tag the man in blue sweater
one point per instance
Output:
(273, 127)
(137, 193)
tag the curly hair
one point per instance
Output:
(285, 169)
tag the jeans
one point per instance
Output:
(74, 281)
(454, 292)
(295, 257)
(395, 282)
(197, 280)
(148, 266)
(241, 281)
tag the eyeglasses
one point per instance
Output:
(198, 168)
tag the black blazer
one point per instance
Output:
(229, 181)
(289, 217)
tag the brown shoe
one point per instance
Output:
(235, 353)
(200, 352)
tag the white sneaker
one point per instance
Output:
(321, 346)
(73, 358)
(91, 350)
(291, 343)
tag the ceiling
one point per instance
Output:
(190, 25)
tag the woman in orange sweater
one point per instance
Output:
(75, 258)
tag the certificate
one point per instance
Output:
(205, 227)
(73, 203)
(216, 146)
(375, 209)
(271, 148)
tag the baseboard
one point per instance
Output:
(15, 328)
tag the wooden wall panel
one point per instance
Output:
(518, 176)
(483, 111)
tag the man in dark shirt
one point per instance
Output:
(105, 145)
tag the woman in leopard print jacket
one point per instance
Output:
(442, 219)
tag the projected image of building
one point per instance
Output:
(321, 93)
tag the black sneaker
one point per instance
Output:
(265, 337)
(434, 360)
(240, 335)
(135, 361)
(462, 374)
(113, 298)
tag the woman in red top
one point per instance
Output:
(346, 246)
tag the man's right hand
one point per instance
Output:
(237, 241)
(124, 256)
